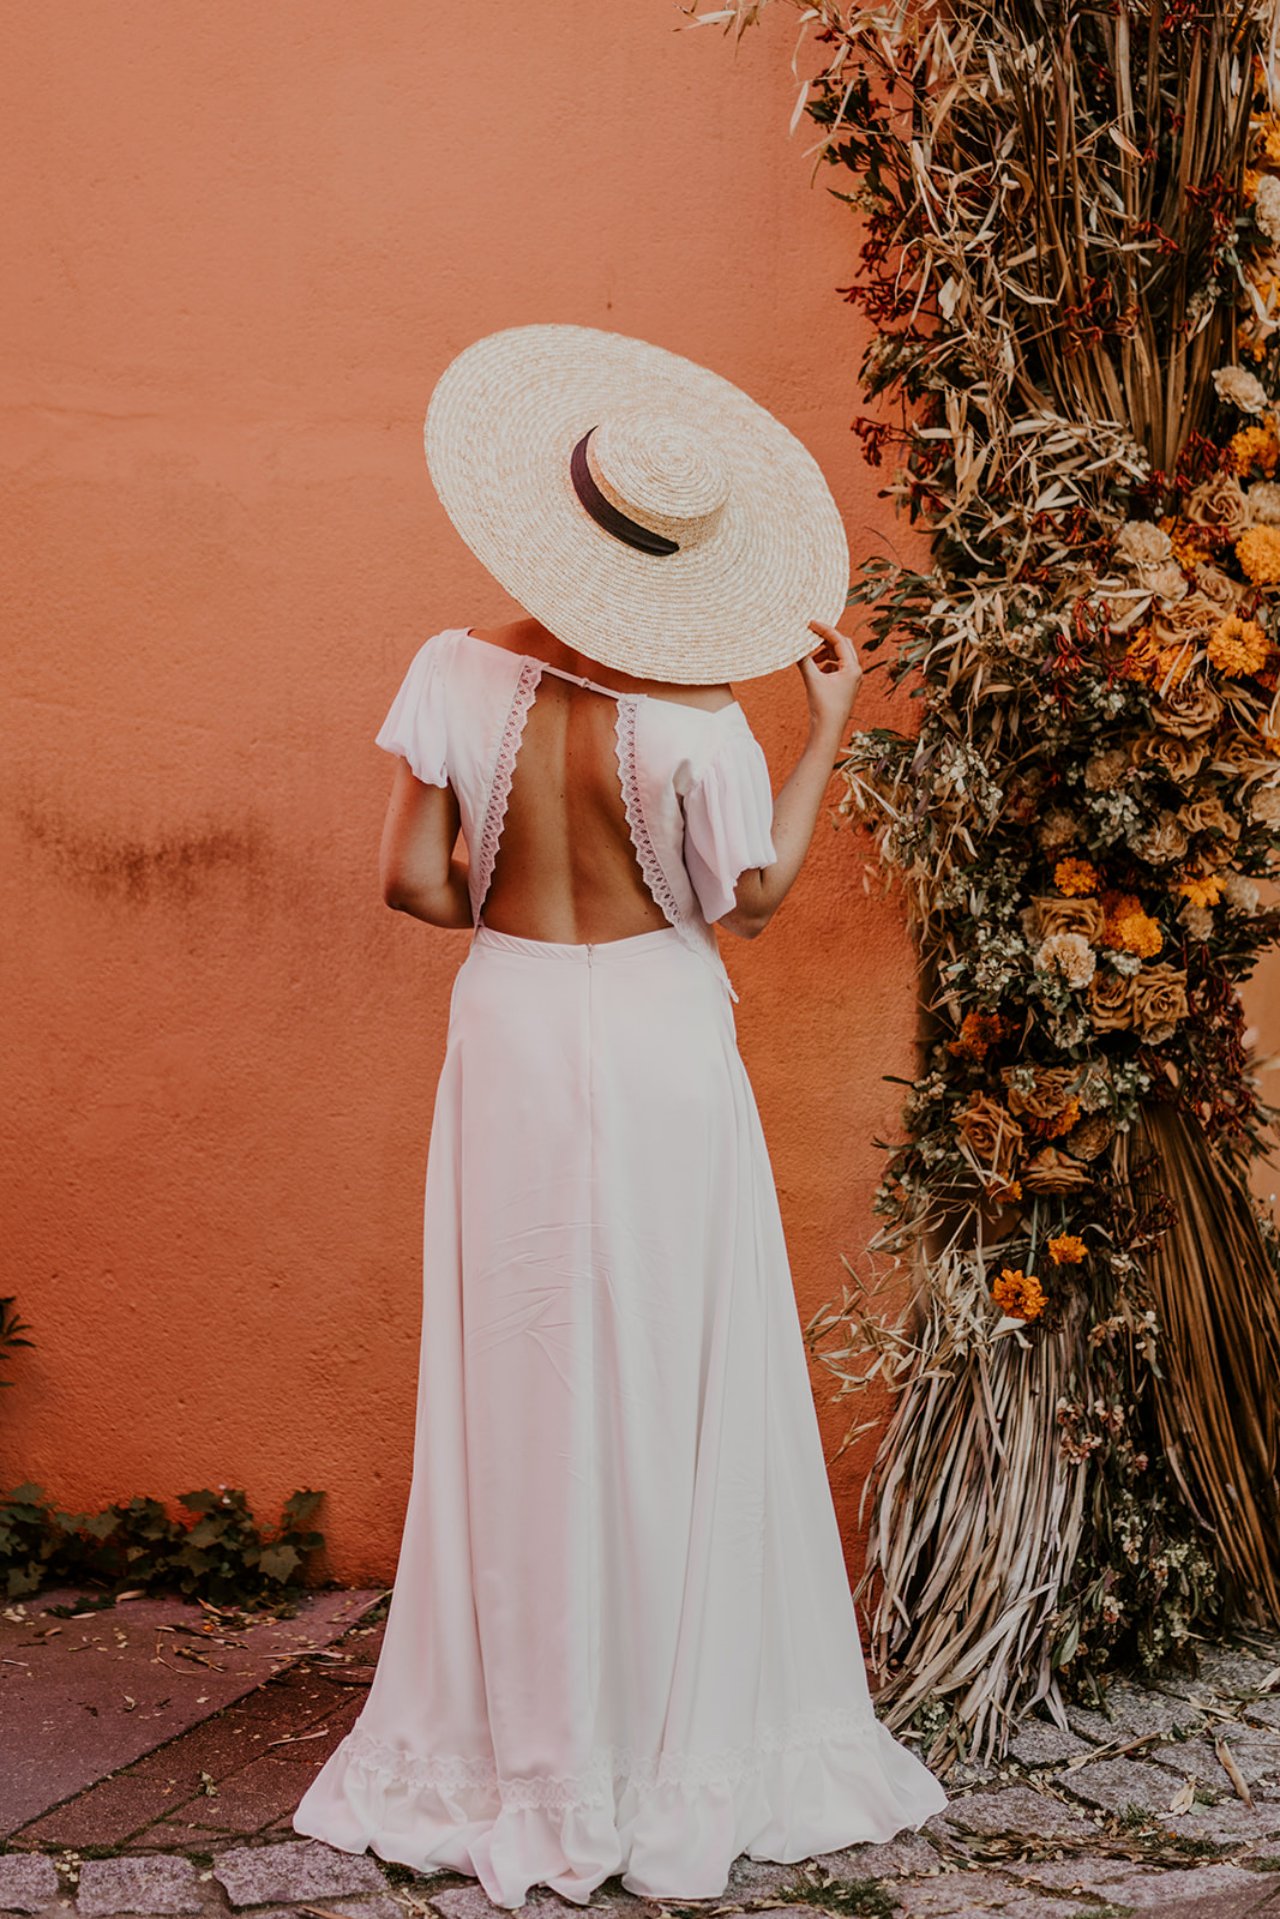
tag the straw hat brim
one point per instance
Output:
(500, 427)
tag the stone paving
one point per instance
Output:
(1167, 1803)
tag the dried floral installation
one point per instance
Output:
(1070, 255)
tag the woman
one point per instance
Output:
(621, 1637)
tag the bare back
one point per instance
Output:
(566, 867)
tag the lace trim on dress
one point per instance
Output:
(500, 787)
(627, 755)
(611, 1765)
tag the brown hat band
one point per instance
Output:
(606, 514)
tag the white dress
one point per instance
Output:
(621, 1638)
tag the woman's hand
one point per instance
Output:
(832, 674)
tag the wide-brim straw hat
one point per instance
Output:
(647, 511)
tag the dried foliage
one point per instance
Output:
(1070, 256)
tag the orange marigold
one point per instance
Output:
(1067, 1249)
(1258, 551)
(1173, 663)
(1019, 1294)
(1142, 656)
(1206, 891)
(1255, 446)
(1238, 646)
(1128, 929)
(1060, 1122)
(1191, 542)
(1075, 876)
(979, 1032)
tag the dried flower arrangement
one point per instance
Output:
(1070, 253)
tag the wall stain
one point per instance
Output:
(172, 865)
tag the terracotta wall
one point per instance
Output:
(243, 241)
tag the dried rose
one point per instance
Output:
(1180, 759)
(1217, 586)
(1219, 501)
(1053, 1171)
(1159, 1002)
(992, 1135)
(1048, 915)
(1110, 1000)
(1209, 815)
(1188, 710)
(1039, 1092)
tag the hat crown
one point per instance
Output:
(660, 471)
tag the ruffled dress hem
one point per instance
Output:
(672, 1827)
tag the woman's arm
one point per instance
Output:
(419, 873)
(831, 676)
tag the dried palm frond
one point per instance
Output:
(976, 1522)
(1217, 1297)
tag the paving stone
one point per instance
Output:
(761, 1875)
(376, 1907)
(966, 1893)
(1116, 1784)
(1229, 1823)
(28, 1882)
(1222, 1905)
(1018, 1809)
(1040, 1742)
(1231, 1670)
(294, 1869)
(1120, 1883)
(147, 1884)
(895, 1859)
(1257, 1754)
(1135, 1710)
(471, 1902)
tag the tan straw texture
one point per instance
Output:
(676, 448)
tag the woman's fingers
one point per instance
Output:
(836, 650)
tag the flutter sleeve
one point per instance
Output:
(728, 820)
(415, 726)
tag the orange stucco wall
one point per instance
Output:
(243, 242)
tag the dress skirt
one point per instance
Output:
(621, 1638)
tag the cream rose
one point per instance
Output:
(1235, 384)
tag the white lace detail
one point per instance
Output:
(611, 1765)
(626, 753)
(504, 767)
(629, 772)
